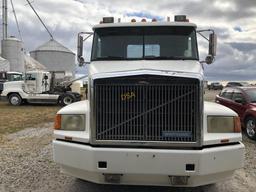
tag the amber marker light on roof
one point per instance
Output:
(57, 122)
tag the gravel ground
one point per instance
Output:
(26, 165)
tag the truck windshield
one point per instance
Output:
(129, 43)
(14, 77)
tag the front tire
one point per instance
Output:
(250, 127)
(15, 99)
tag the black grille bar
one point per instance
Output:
(147, 108)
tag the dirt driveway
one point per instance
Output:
(26, 165)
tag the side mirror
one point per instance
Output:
(80, 42)
(212, 48)
(3, 75)
(212, 44)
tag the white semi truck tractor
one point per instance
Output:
(41, 87)
(145, 121)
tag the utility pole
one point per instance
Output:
(29, 3)
(4, 18)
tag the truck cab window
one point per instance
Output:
(134, 51)
(30, 77)
(14, 77)
(152, 50)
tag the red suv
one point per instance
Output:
(243, 101)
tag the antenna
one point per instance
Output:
(17, 23)
(39, 18)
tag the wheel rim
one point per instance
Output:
(250, 128)
(15, 100)
(67, 100)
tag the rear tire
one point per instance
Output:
(15, 99)
(250, 127)
(66, 99)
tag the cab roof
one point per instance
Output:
(144, 24)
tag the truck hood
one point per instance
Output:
(215, 109)
(12, 84)
(178, 66)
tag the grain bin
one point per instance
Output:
(55, 57)
(13, 51)
(4, 65)
(32, 64)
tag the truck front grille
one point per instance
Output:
(147, 108)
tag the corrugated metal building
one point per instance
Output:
(55, 57)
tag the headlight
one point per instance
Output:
(222, 124)
(70, 122)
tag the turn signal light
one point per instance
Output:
(57, 122)
(237, 125)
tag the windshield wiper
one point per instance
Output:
(110, 57)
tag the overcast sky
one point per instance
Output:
(234, 21)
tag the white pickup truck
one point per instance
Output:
(145, 121)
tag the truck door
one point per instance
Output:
(30, 83)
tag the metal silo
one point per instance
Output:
(55, 57)
(4, 65)
(13, 51)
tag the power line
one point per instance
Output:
(39, 18)
(17, 23)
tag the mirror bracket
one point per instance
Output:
(212, 45)
(80, 40)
